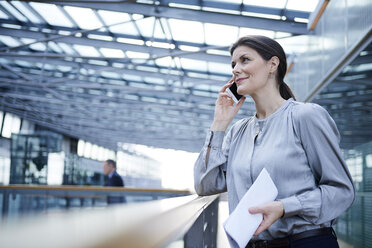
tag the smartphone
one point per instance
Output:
(233, 92)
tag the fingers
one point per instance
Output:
(224, 94)
(240, 103)
(223, 89)
(262, 227)
(271, 212)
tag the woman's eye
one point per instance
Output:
(245, 59)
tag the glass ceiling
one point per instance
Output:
(81, 66)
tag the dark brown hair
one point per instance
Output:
(267, 48)
(112, 162)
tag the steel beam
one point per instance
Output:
(157, 52)
(196, 15)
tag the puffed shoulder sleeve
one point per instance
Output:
(320, 139)
(210, 167)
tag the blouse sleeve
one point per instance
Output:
(210, 178)
(335, 192)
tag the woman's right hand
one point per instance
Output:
(225, 110)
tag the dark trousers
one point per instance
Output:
(322, 241)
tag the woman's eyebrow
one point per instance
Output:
(240, 57)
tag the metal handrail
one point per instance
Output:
(88, 188)
(147, 224)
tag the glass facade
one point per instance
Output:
(355, 226)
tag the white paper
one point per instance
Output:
(241, 225)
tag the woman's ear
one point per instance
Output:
(274, 63)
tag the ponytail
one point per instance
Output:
(285, 91)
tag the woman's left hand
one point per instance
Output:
(271, 211)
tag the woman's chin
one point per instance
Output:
(241, 92)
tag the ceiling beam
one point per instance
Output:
(134, 70)
(196, 15)
(155, 51)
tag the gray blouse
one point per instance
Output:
(299, 147)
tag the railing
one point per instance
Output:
(146, 224)
(19, 200)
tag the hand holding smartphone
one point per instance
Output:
(233, 92)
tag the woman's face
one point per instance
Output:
(251, 71)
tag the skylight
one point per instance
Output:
(84, 17)
(147, 25)
(280, 4)
(13, 11)
(113, 53)
(25, 11)
(9, 41)
(66, 48)
(219, 68)
(137, 55)
(111, 18)
(165, 62)
(187, 30)
(308, 5)
(86, 51)
(220, 35)
(253, 31)
(192, 64)
(3, 16)
(52, 14)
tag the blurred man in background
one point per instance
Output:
(113, 180)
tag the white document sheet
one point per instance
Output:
(241, 225)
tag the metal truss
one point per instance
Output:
(107, 100)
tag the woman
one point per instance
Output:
(297, 143)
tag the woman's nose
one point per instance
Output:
(236, 69)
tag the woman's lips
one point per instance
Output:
(238, 81)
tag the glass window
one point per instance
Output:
(87, 149)
(369, 160)
(112, 155)
(55, 172)
(81, 147)
(101, 153)
(94, 153)
(1, 119)
(12, 124)
(105, 154)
